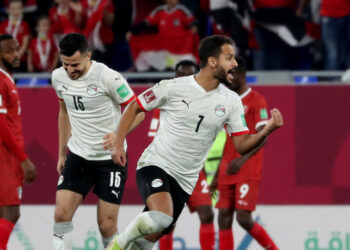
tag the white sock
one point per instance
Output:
(106, 240)
(141, 244)
(144, 224)
(63, 236)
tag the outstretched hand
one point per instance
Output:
(275, 122)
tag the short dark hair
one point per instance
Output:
(211, 47)
(4, 37)
(186, 63)
(41, 17)
(72, 43)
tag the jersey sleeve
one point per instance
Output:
(3, 89)
(260, 114)
(55, 84)
(154, 125)
(154, 97)
(153, 18)
(236, 124)
(118, 88)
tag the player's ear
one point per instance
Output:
(212, 62)
(89, 55)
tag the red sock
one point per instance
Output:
(261, 236)
(207, 236)
(166, 242)
(226, 239)
(5, 231)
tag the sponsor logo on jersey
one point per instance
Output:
(149, 96)
(19, 192)
(123, 91)
(92, 89)
(60, 180)
(176, 22)
(156, 183)
(263, 114)
(242, 203)
(220, 110)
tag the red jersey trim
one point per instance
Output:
(128, 101)
(140, 105)
(240, 133)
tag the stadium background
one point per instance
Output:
(304, 196)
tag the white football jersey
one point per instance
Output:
(190, 119)
(93, 103)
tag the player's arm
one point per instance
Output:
(125, 124)
(64, 133)
(9, 140)
(237, 164)
(247, 142)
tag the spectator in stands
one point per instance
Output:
(65, 17)
(176, 33)
(98, 16)
(42, 52)
(336, 33)
(281, 34)
(30, 8)
(18, 28)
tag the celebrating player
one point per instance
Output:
(90, 96)
(238, 176)
(193, 110)
(15, 165)
(200, 200)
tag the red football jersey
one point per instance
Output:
(43, 53)
(10, 105)
(335, 8)
(18, 30)
(59, 21)
(255, 114)
(106, 33)
(170, 22)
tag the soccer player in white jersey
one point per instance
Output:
(90, 97)
(193, 110)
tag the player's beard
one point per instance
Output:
(10, 66)
(222, 75)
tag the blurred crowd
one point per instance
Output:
(153, 35)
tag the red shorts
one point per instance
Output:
(11, 178)
(200, 195)
(240, 196)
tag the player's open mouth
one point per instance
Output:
(231, 74)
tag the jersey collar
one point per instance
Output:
(8, 75)
(245, 93)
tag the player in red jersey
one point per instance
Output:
(200, 200)
(15, 166)
(238, 176)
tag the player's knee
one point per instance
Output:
(225, 219)
(206, 215)
(107, 227)
(245, 219)
(62, 215)
(161, 220)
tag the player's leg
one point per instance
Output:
(248, 194)
(226, 208)
(201, 202)
(67, 203)
(8, 219)
(166, 242)
(164, 198)
(73, 185)
(109, 187)
(207, 230)
(11, 176)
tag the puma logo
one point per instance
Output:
(58, 236)
(115, 193)
(187, 103)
